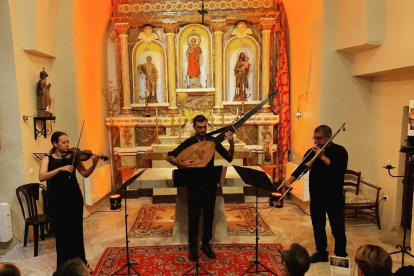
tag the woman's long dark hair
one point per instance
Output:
(55, 139)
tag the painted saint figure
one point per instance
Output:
(43, 95)
(151, 78)
(267, 148)
(241, 71)
(193, 54)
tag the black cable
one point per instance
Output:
(102, 212)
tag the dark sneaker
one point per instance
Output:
(192, 254)
(342, 255)
(318, 258)
(208, 251)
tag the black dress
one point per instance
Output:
(66, 209)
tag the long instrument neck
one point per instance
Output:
(220, 138)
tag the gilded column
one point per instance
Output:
(122, 30)
(170, 29)
(218, 29)
(266, 26)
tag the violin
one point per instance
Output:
(81, 155)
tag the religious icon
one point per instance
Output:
(147, 34)
(267, 148)
(43, 95)
(151, 78)
(194, 55)
(411, 119)
(241, 72)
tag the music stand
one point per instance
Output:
(196, 177)
(258, 179)
(128, 264)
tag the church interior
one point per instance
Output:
(124, 79)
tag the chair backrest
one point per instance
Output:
(353, 178)
(30, 193)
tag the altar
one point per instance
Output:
(172, 65)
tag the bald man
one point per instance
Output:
(9, 269)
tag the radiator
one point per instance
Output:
(98, 184)
(6, 233)
(301, 187)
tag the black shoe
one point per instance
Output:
(318, 258)
(208, 251)
(192, 254)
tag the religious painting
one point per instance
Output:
(149, 71)
(194, 57)
(241, 69)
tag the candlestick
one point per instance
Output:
(156, 126)
(172, 124)
(179, 128)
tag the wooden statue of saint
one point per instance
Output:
(43, 95)
(151, 78)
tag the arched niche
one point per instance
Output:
(156, 51)
(206, 65)
(232, 50)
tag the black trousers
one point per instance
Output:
(335, 211)
(201, 197)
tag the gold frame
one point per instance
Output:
(180, 53)
(256, 50)
(135, 95)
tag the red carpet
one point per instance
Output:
(172, 260)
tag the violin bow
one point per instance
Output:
(77, 146)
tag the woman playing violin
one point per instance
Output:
(65, 198)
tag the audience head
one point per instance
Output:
(73, 267)
(296, 259)
(405, 271)
(9, 269)
(372, 260)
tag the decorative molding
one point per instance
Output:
(267, 23)
(170, 27)
(127, 135)
(258, 119)
(188, 6)
(218, 25)
(122, 28)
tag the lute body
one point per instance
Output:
(202, 152)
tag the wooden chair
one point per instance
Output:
(359, 203)
(30, 194)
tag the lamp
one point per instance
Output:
(274, 198)
(115, 201)
(298, 113)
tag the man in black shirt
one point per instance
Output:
(326, 181)
(201, 196)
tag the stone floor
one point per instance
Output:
(289, 224)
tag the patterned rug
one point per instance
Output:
(172, 260)
(157, 220)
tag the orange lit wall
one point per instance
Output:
(305, 25)
(90, 29)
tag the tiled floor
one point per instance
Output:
(289, 224)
